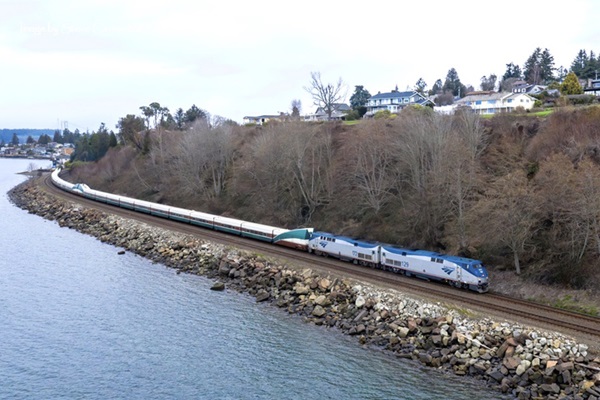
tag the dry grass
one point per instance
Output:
(585, 301)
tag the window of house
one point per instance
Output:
(406, 100)
(478, 102)
(491, 101)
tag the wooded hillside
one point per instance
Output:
(516, 191)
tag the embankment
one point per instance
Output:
(525, 362)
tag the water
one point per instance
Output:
(79, 321)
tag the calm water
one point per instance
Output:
(78, 321)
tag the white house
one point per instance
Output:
(261, 119)
(395, 101)
(494, 102)
(593, 87)
(339, 111)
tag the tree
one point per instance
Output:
(30, 140)
(370, 171)
(15, 140)
(539, 67)
(193, 114)
(359, 100)
(547, 65)
(325, 96)
(444, 99)
(437, 87)
(179, 118)
(453, 84)
(360, 97)
(58, 138)
(584, 66)
(420, 86)
(296, 106)
(488, 83)
(202, 158)
(130, 130)
(509, 209)
(571, 85)
(512, 71)
(44, 139)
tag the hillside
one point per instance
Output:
(520, 192)
(6, 135)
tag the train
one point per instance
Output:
(457, 271)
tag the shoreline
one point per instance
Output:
(508, 357)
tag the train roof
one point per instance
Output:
(359, 243)
(426, 253)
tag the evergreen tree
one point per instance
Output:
(584, 66)
(58, 138)
(539, 67)
(437, 87)
(420, 86)
(30, 140)
(547, 67)
(359, 99)
(453, 84)
(488, 83)
(15, 140)
(571, 85)
(512, 71)
(44, 139)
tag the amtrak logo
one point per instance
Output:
(448, 270)
(323, 244)
(355, 254)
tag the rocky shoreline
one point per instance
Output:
(523, 362)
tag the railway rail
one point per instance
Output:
(585, 328)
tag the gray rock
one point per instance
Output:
(218, 286)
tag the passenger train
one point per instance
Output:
(457, 271)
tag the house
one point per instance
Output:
(339, 111)
(592, 87)
(496, 102)
(524, 87)
(261, 119)
(395, 101)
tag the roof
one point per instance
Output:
(263, 116)
(484, 96)
(394, 94)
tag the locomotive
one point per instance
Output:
(457, 271)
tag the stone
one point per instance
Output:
(550, 388)
(360, 301)
(262, 295)
(565, 366)
(403, 332)
(318, 311)
(511, 362)
(218, 286)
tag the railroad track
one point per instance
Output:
(584, 328)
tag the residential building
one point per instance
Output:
(339, 111)
(593, 87)
(261, 119)
(395, 101)
(496, 102)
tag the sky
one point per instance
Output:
(82, 63)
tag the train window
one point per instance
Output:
(404, 253)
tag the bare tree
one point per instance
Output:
(371, 171)
(325, 96)
(506, 214)
(202, 158)
(289, 167)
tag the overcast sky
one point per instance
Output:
(88, 62)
